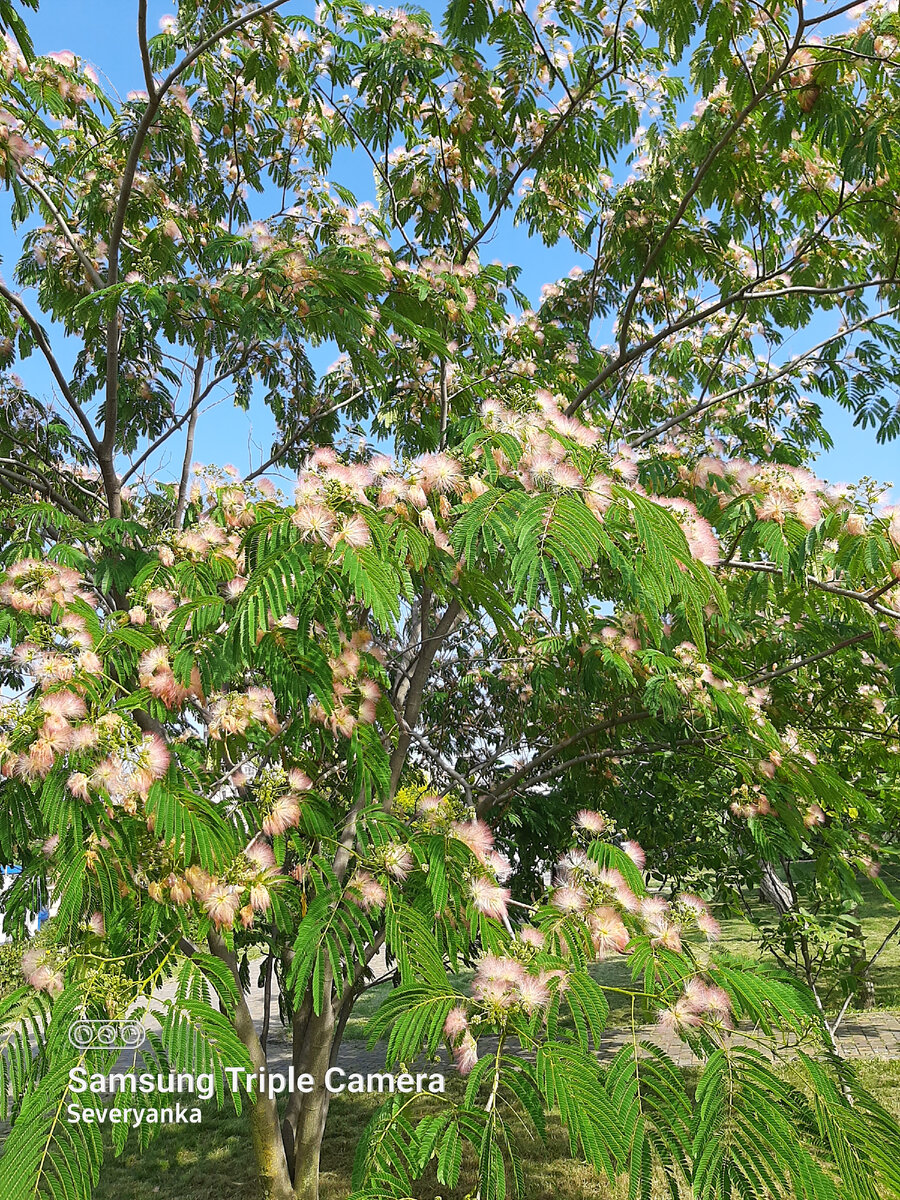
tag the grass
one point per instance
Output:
(215, 1159)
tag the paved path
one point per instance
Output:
(860, 1035)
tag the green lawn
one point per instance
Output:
(215, 1160)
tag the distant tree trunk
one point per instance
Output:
(863, 989)
(774, 890)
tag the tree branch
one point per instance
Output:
(811, 581)
(145, 49)
(811, 658)
(44, 346)
(181, 504)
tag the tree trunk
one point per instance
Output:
(774, 890)
(265, 1129)
(315, 1059)
(863, 989)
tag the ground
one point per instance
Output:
(213, 1161)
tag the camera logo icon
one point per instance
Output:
(107, 1035)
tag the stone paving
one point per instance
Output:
(860, 1035)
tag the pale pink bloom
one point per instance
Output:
(494, 993)
(56, 734)
(591, 822)
(476, 835)
(393, 490)
(398, 861)
(814, 816)
(371, 893)
(355, 532)
(629, 901)
(78, 786)
(489, 899)
(50, 845)
(247, 915)
(155, 755)
(456, 1024)
(283, 815)
(855, 524)
(261, 854)
(222, 904)
(500, 865)
(533, 993)
(137, 615)
(90, 663)
(635, 853)
(368, 712)
(234, 587)
(680, 1017)
(343, 721)
(64, 704)
(417, 497)
(260, 897)
(161, 601)
(708, 924)
(608, 932)
(201, 882)
(299, 780)
(653, 908)
(693, 903)
(568, 899)
(97, 925)
(465, 1054)
(611, 878)
(179, 891)
(314, 521)
(666, 934)
(440, 473)
(531, 936)
(40, 974)
(369, 689)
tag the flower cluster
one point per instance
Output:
(234, 713)
(700, 1004)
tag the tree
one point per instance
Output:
(514, 555)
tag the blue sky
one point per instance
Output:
(104, 32)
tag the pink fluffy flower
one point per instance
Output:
(489, 898)
(260, 897)
(78, 786)
(398, 861)
(465, 1055)
(440, 473)
(708, 924)
(608, 932)
(372, 894)
(532, 937)
(64, 704)
(222, 904)
(283, 815)
(533, 993)
(456, 1024)
(476, 835)
(635, 853)
(40, 973)
(568, 899)
(315, 522)
(590, 821)
(355, 532)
